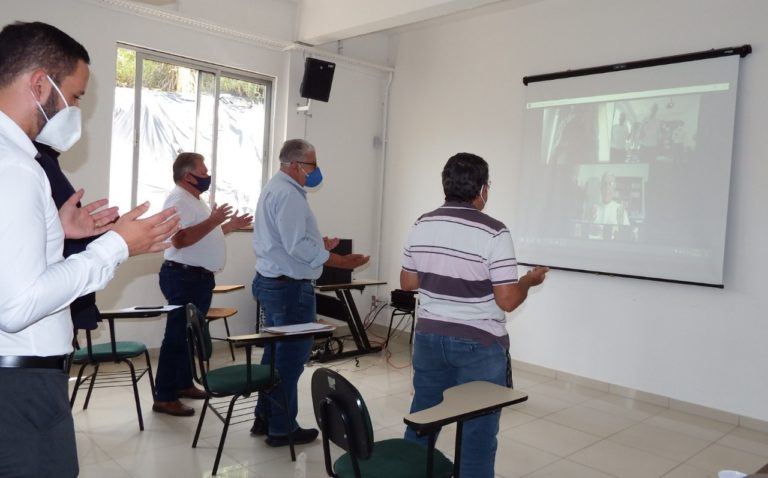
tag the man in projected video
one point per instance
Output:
(607, 211)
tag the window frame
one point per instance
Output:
(202, 67)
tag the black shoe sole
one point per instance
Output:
(259, 429)
(279, 441)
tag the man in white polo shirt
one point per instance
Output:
(187, 276)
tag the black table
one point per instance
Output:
(344, 308)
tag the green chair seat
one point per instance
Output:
(344, 420)
(232, 379)
(103, 352)
(125, 352)
(395, 457)
(227, 381)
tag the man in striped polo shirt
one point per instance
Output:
(463, 263)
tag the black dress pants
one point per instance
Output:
(37, 432)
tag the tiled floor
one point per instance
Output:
(563, 431)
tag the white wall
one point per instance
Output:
(355, 105)
(458, 88)
(344, 131)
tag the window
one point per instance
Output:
(186, 105)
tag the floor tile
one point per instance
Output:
(625, 407)
(564, 430)
(692, 425)
(590, 420)
(540, 405)
(660, 441)
(623, 461)
(569, 469)
(515, 459)
(688, 471)
(747, 440)
(718, 457)
(550, 437)
(565, 391)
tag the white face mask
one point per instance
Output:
(482, 198)
(63, 129)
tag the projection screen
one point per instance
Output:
(628, 172)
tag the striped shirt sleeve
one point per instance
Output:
(502, 263)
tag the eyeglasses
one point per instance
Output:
(306, 162)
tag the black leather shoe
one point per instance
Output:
(300, 437)
(260, 427)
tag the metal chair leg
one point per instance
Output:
(389, 329)
(149, 371)
(200, 422)
(224, 434)
(90, 385)
(231, 347)
(135, 393)
(78, 382)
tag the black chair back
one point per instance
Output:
(341, 413)
(199, 345)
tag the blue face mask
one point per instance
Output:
(203, 183)
(314, 178)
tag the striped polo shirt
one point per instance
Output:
(460, 254)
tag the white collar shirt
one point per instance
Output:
(36, 283)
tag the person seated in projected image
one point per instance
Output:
(607, 211)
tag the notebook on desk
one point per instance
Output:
(297, 328)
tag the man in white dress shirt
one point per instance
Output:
(43, 74)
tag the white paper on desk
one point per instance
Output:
(296, 328)
(139, 308)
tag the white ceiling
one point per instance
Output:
(324, 21)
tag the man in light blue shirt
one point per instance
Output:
(290, 254)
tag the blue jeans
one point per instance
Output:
(441, 362)
(180, 287)
(284, 302)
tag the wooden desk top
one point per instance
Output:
(464, 401)
(355, 284)
(220, 289)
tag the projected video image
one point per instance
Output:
(627, 131)
(613, 202)
(627, 172)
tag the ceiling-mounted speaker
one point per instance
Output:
(318, 77)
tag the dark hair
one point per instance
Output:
(27, 46)
(184, 164)
(463, 176)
